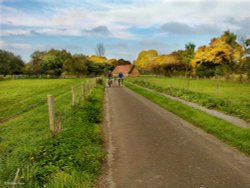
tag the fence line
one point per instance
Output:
(62, 115)
(32, 106)
(55, 122)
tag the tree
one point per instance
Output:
(190, 47)
(76, 65)
(186, 56)
(100, 50)
(35, 65)
(168, 65)
(97, 69)
(247, 65)
(144, 59)
(10, 63)
(221, 56)
(122, 62)
(48, 62)
(98, 59)
(53, 61)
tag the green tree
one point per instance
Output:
(53, 61)
(35, 65)
(186, 56)
(10, 63)
(76, 65)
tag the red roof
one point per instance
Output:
(127, 70)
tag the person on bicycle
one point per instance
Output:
(110, 78)
(120, 78)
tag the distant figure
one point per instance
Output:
(110, 78)
(120, 78)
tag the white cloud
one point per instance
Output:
(118, 17)
(14, 32)
(23, 46)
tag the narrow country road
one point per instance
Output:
(149, 147)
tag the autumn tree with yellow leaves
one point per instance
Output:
(145, 59)
(175, 63)
(220, 57)
(223, 56)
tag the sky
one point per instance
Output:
(124, 27)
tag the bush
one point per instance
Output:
(99, 80)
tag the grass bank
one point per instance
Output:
(235, 136)
(72, 159)
(230, 97)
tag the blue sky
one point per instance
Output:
(125, 27)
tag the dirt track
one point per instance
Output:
(150, 147)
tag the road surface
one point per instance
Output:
(150, 147)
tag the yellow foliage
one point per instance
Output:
(112, 61)
(218, 52)
(162, 60)
(144, 58)
(97, 59)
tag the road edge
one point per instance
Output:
(105, 178)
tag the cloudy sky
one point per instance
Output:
(125, 27)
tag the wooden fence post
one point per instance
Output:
(73, 91)
(52, 119)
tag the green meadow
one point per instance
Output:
(228, 96)
(17, 96)
(73, 158)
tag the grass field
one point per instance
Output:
(73, 158)
(233, 135)
(17, 96)
(231, 97)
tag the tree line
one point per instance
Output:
(55, 63)
(223, 56)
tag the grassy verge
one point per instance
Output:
(72, 159)
(235, 136)
(233, 106)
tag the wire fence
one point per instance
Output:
(63, 111)
(42, 101)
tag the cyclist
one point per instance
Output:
(110, 78)
(120, 78)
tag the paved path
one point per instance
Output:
(150, 147)
(232, 119)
